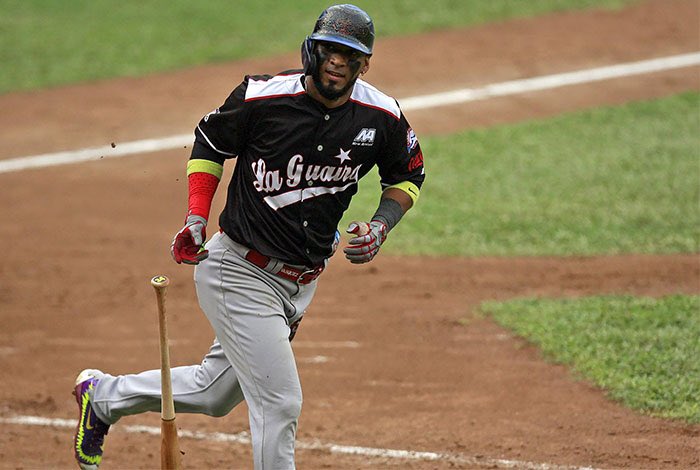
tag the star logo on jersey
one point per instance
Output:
(343, 156)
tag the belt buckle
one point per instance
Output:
(311, 273)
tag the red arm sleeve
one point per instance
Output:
(202, 187)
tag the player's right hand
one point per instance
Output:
(187, 246)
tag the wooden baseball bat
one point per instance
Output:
(169, 446)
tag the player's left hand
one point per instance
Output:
(365, 245)
(187, 246)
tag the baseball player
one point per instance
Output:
(302, 140)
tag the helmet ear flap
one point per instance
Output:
(308, 58)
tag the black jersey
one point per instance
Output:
(298, 162)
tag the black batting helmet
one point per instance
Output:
(342, 24)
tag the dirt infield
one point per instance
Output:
(391, 355)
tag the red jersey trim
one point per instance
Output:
(378, 108)
(281, 95)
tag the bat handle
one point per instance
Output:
(160, 284)
(170, 449)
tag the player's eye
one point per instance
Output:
(331, 48)
(354, 55)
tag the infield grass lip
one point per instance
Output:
(642, 351)
(49, 42)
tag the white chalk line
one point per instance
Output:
(548, 82)
(463, 95)
(244, 438)
(95, 153)
(314, 360)
(327, 344)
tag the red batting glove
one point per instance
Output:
(187, 246)
(363, 248)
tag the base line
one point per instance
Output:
(463, 95)
(244, 438)
(547, 82)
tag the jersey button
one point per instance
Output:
(326, 117)
(306, 223)
(319, 148)
(310, 183)
(308, 251)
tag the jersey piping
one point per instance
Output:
(278, 86)
(228, 154)
(366, 95)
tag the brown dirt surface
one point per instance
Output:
(392, 355)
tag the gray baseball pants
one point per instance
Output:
(250, 310)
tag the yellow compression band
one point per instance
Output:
(199, 165)
(409, 188)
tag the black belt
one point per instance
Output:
(288, 272)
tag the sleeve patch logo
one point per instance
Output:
(411, 140)
(416, 161)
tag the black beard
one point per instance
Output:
(328, 92)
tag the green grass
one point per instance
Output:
(643, 351)
(49, 42)
(610, 180)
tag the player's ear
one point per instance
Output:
(365, 67)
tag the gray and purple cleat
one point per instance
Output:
(90, 434)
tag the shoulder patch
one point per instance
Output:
(274, 87)
(366, 95)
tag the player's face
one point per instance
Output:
(338, 69)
